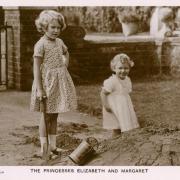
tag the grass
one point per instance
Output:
(89, 99)
(156, 101)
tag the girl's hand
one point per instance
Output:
(65, 58)
(41, 94)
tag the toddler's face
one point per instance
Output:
(53, 29)
(122, 70)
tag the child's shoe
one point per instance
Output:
(58, 151)
(53, 156)
(116, 133)
(54, 149)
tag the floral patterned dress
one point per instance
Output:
(123, 115)
(56, 80)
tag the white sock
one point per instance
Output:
(52, 141)
(42, 141)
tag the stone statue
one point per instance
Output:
(161, 22)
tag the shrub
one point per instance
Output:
(105, 19)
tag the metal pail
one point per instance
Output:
(82, 153)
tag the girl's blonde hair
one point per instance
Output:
(122, 58)
(45, 17)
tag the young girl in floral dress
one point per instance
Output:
(118, 111)
(51, 77)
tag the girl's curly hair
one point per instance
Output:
(45, 17)
(123, 58)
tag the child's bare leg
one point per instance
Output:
(42, 130)
(53, 124)
(116, 132)
(52, 134)
(42, 127)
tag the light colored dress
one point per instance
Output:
(56, 80)
(123, 116)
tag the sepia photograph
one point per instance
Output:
(90, 86)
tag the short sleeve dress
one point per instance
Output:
(56, 80)
(123, 115)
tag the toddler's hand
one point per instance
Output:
(41, 94)
(108, 109)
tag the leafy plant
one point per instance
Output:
(134, 13)
(138, 14)
(128, 15)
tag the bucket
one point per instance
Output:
(84, 151)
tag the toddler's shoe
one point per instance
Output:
(116, 133)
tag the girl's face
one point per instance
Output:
(53, 30)
(121, 70)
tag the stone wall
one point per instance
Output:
(171, 56)
(90, 63)
(12, 17)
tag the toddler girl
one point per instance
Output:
(118, 111)
(51, 77)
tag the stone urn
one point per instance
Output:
(129, 28)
